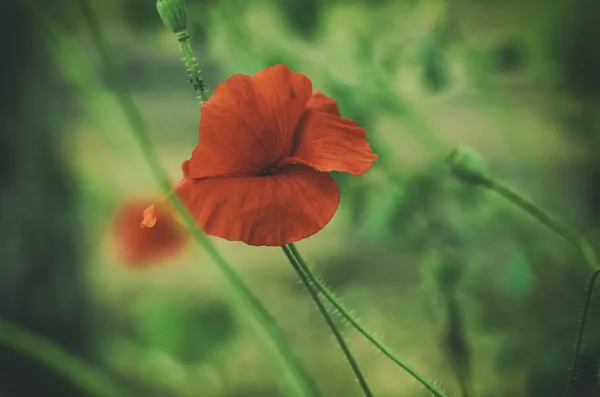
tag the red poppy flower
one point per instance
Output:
(258, 173)
(143, 246)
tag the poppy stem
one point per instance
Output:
(572, 237)
(579, 338)
(44, 351)
(314, 279)
(174, 14)
(546, 219)
(336, 332)
(192, 66)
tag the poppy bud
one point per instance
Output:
(469, 166)
(174, 14)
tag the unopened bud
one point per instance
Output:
(174, 14)
(469, 166)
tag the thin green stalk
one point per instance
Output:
(77, 371)
(359, 327)
(191, 63)
(545, 218)
(338, 336)
(298, 381)
(579, 339)
(574, 238)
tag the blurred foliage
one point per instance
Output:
(466, 288)
(41, 278)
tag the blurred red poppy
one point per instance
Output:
(142, 246)
(258, 173)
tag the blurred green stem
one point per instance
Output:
(574, 238)
(546, 219)
(314, 279)
(294, 376)
(579, 339)
(81, 374)
(336, 332)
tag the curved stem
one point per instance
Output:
(81, 374)
(579, 339)
(191, 63)
(338, 336)
(359, 327)
(298, 381)
(574, 238)
(547, 220)
(542, 216)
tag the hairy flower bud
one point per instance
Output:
(174, 14)
(469, 166)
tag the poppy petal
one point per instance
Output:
(321, 102)
(327, 142)
(248, 125)
(140, 246)
(271, 210)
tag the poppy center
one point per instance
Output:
(271, 169)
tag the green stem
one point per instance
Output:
(574, 238)
(359, 327)
(81, 374)
(535, 211)
(338, 336)
(247, 304)
(546, 219)
(579, 339)
(191, 63)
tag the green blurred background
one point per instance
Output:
(471, 292)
